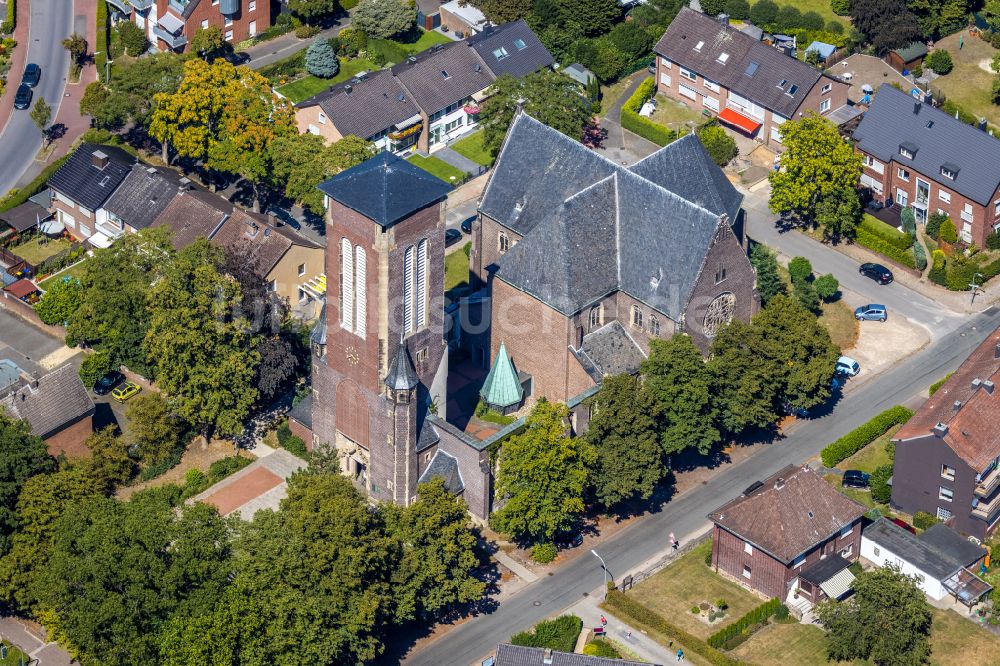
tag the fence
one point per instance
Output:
(662, 563)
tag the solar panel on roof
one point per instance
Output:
(751, 69)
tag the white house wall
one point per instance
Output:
(931, 586)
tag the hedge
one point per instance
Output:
(11, 21)
(889, 234)
(558, 634)
(938, 384)
(863, 435)
(757, 615)
(101, 57)
(644, 127)
(633, 610)
(877, 244)
(15, 198)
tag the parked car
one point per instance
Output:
(108, 382)
(467, 224)
(568, 540)
(452, 236)
(877, 272)
(847, 366)
(871, 312)
(905, 525)
(32, 74)
(855, 478)
(125, 391)
(22, 100)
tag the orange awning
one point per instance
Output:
(739, 121)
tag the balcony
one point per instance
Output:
(987, 510)
(988, 483)
(173, 41)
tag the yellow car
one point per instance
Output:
(125, 391)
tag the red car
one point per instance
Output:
(905, 525)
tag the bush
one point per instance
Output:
(763, 12)
(558, 634)
(644, 127)
(738, 9)
(993, 241)
(908, 220)
(827, 286)
(923, 520)
(296, 446)
(757, 616)
(934, 223)
(708, 558)
(840, 7)
(919, 256)
(948, 233)
(939, 61)
(812, 21)
(866, 238)
(806, 292)
(879, 484)
(321, 59)
(800, 269)
(781, 613)
(543, 553)
(352, 42)
(695, 610)
(888, 233)
(162, 467)
(835, 27)
(720, 146)
(132, 38)
(938, 384)
(788, 18)
(713, 7)
(224, 467)
(601, 648)
(863, 435)
(94, 367)
(101, 47)
(305, 31)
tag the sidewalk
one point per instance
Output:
(621, 145)
(279, 48)
(588, 610)
(33, 641)
(22, 36)
(457, 160)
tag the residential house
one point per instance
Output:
(285, 260)
(82, 185)
(791, 536)
(462, 19)
(750, 86)
(583, 261)
(137, 201)
(920, 157)
(193, 214)
(943, 563)
(520, 655)
(428, 14)
(170, 24)
(56, 405)
(428, 100)
(947, 454)
(907, 58)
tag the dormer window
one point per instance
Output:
(723, 57)
(949, 171)
(907, 150)
(782, 83)
(697, 47)
(792, 90)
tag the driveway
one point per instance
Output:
(51, 22)
(279, 48)
(29, 347)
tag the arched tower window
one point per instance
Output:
(503, 243)
(346, 284)
(420, 295)
(654, 325)
(409, 259)
(636, 316)
(595, 317)
(360, 291)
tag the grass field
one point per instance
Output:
(968, 84)
(428, 38)
(40, 248)
(73, 271)
(438, 167)
(840, 322)
(688, 582)
(820, 6)
(456, 270)
(673, 114)
(309, 85)
(872, 456)
(15, 657)
(471, 146)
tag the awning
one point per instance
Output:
(403, 124)
(100, 240)
(481, 95)
(171, 23)
(315, 287)
(839, 585)
(966, 586)
(739, 121)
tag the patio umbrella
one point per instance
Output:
(867, 89)
(52, 228)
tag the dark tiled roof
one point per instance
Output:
(426, 81)
(58, 400)
(83, 182)
(444, 466)
(25, 216)
(257, 235)
(302, 412)
(143, 195)
(318, 335)
(772, 66)
(522, 52)
(824, 569)
(402, 375)
(896, 118)
(517, 655)
(193, 214)
(911, 51)
(428, 435)
(794, 510)
(972, 431)
(936, 556)
(609, 350)
(373, 105)
(385, 188)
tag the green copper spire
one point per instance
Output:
(502, 388)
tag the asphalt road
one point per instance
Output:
(51, 22)
(647, 538)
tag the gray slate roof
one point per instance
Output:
(385, 188)
(426, 81)
(772, 66)
(318, 335)
(371, 106)
(302, 412)
(592, 227)
(518, 655)
(57, 401)
(143, 195)
(402, 375)
(609, 350)
(939, 556)
(83, 182)
(444, 466)
(896, 118)
(523, 53)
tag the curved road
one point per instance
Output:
(51, 22)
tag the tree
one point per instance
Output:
(886, 24)
(589, 18)
(680, 386)
(880, 488)
(22, 456)
(205, 357)
(887, 620)
(939, 61)
(208, 42)
(838, 213)
(763, 13)
(502, 11)
(542, 476)
(77, 47)
(720, 146)
(812, 21)
(321, 61)
(827, 286)
(631, 39)
(300, 162)
(435, 572)
(991, 14)
(94, 367)
(788, 18)
(61, 300)
(311, 11)
(384, 19)
(769, 282)
(138, 84)
(154, 428)
(189, 119)
(738, 9)
(840, 7)
(816, 164)
(908, 221)
(548, 97)
(713, 7)
(799, 269)
(934, 223)
(109, 463)
(106, 108)
(623, 433)
(948, 233)
(41, 114)
(132, 37)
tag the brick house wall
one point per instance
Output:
(453, 23)
(486, 247)
(979, 221)
(70, 439)
(302, 432)
(313, 120)
(285, 273)
(474, 465)
(80, 222)
(252, 19)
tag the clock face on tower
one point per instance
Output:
(352, 355)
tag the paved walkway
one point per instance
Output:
(32, 639)
(279, 48)
(516, 567)
(617, 630)
(621, 145)
(457, 160)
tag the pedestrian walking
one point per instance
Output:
(680, 655)
(628, 635)
(604, 621)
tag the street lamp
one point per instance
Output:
(107, 68)
(605, 567)
(973, 286)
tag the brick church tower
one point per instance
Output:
(380, 364)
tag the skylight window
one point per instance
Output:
(930, 124)
(697, 47)
(519, 43)
(792, 90)
(104, 181)
(723, 57)
(445, 74)
(500, 53)
(751, 69)
(781, 83)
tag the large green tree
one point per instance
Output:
(501, 11)
(208, 42)
(887, 621)
(765, 264)
(542, 476)
(384, 19)
(886, 24)
(22, 456)
(109, 463)
(589, 18)
(60, 301)
(137, 85)
(817, 163)
(107, 109)
(154, 429)
(551, 98)
(679, 383)
(313, 10)
(623, 432)
(300, 162)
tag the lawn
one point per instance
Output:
(73, 271)
(309, 85)
(438, 167)
(611, 93)
(427, 39)
(40, 248)
(456, 269)
(968, 85)
(872, 456)
(859, 496)
(688, 582)
(15, 657)
(822, 7)
(673, 114)
(471, 146)
(840, 322)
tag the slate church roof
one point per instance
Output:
(592, 227)
(444, 466)
(608, 351)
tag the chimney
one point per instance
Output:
(99, 159)
(976, 383)
(988, 386)
(929, 98)
(982, 124)
(724, 19)
(779, 483)
(347, 89)
(941, 429)
(996, 351)
(957, 405)
(916, 106)
(547, 656)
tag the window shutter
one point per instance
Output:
(361, 291)
(421, 290)
(408, 258)
(346, 284)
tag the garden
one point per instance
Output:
(471, 146)
(956, 264)
(967, 87)
(36, 249)
(456, 271)
(439, 168)
(14, 656)
(898, 246)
